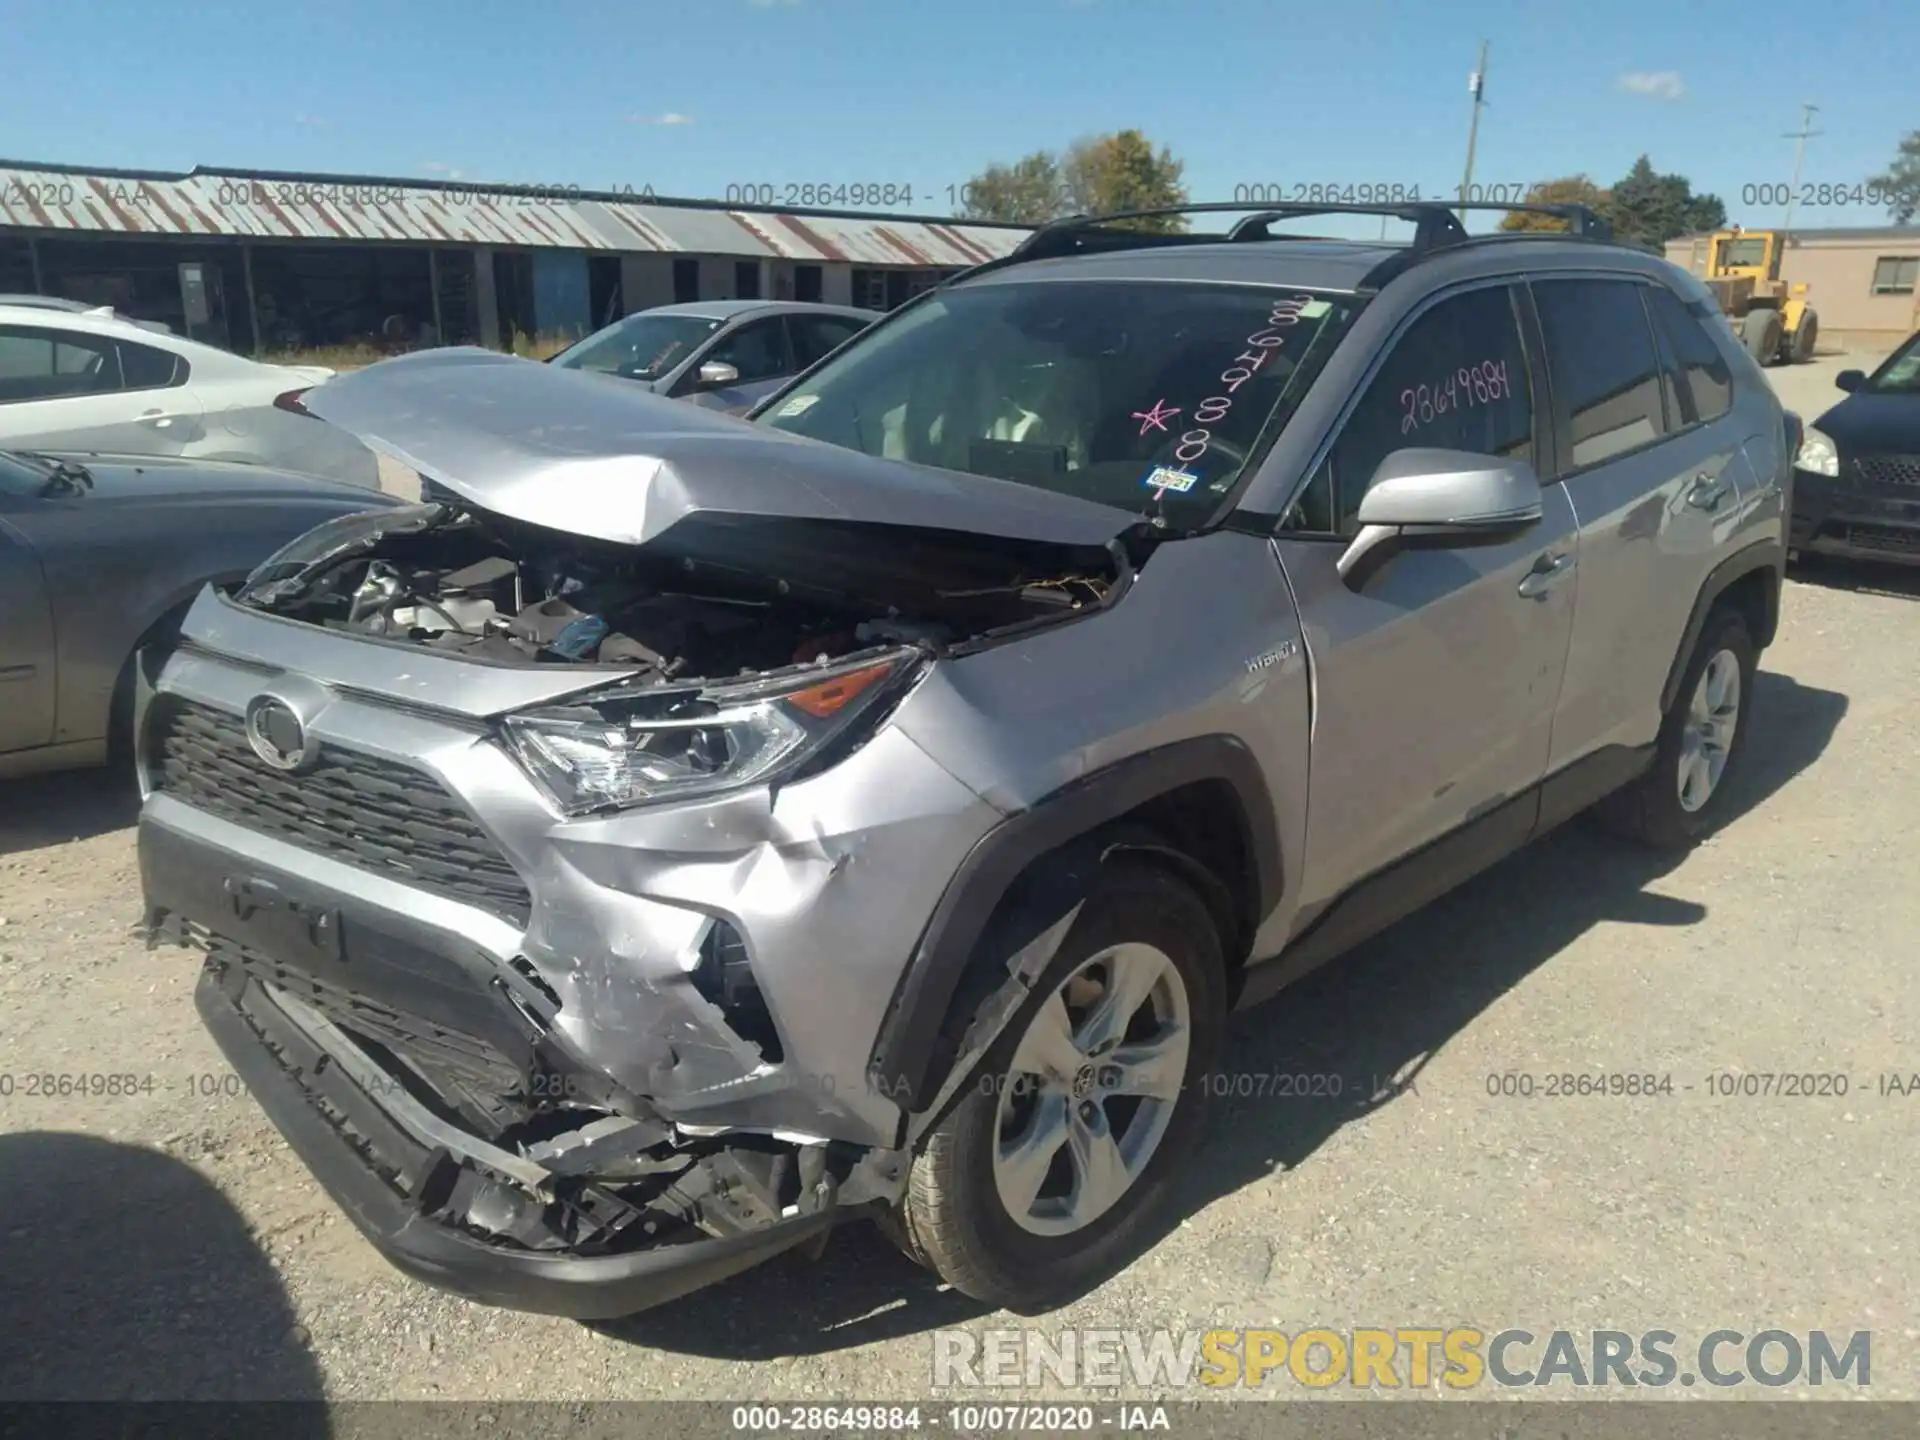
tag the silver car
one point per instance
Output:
(101, 556)
(720, 354)
(691, 834)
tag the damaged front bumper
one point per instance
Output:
(430, 1090)
(416, 1201)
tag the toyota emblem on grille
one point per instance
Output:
(277, 736)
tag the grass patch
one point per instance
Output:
(359, 354)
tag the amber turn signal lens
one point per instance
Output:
(831, 697)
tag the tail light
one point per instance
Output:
(291, 401)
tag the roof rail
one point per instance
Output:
(1436, 227)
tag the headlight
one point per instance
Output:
(618, 748)
(1817, 453)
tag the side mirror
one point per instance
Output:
(1442, 498)
(1850, 380)
(716, 374)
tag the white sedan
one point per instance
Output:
(94, 381)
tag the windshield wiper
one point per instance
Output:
(61, 474)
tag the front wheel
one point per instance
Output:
(1054, 1167)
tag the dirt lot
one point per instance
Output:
(164, 1243)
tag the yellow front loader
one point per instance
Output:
(1774, 320)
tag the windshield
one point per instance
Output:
(1139, 394)
(1747, 254)
(23, 474)
(640, 347)
(1900, 375)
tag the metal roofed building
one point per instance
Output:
(265, 260)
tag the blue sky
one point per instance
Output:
(690, 98)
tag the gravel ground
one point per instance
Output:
(165, 1243)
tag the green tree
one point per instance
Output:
(1650, 209)
(1901, 180)
(1095, 176)
(1122, 171)
(1569, 190)
(1027, 192)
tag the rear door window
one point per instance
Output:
(817, 336)
(1606, 372)
(1704, 381)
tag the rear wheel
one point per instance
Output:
(1682, 795)
(1804, 337)
(1760, 332)
(1054, 1167)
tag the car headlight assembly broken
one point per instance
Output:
(620, 748)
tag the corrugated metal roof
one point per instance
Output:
(362, 209)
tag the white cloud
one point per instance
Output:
(772, 4)
(672, 117)
(449, 172)
(1660, 84)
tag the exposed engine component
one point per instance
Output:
(494, 589)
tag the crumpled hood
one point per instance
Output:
(601, 457)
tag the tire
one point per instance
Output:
(956, 1217)
(1805, 337)
(1760, 333)
(1652, 811)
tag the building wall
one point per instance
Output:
(1838, 273)
(647, 280)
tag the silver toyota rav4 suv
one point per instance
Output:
(685, 833)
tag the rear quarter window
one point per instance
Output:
(142, 367)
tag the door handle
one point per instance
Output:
(1707, 492)
(156, 419)
(1548, 571)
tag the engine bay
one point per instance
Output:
(503, 592)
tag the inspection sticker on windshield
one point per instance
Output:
(1165, 478)
(798, 405)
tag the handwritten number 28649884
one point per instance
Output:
(1470, 385)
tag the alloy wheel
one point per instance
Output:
(1091, 1089)
(1713, 716)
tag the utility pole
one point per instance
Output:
(1805, 133)
(1477, 84)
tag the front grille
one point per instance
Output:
(1884, 537)
(1887, 469)
(392, 820)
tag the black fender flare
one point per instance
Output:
(915, 1050)
(1765, 555)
